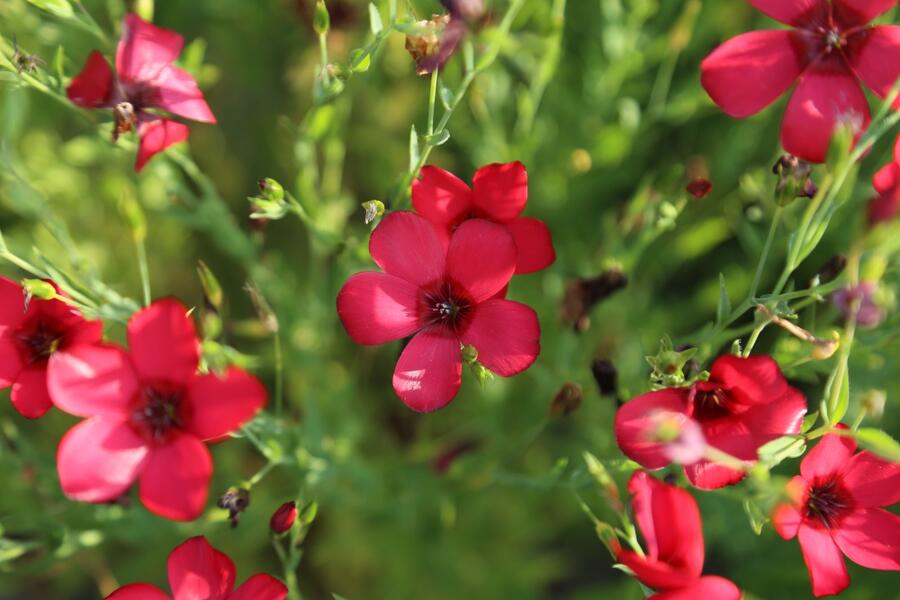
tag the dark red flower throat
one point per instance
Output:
(158, 411)
(827, 501)
(445, 304)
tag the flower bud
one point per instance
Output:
(235, 501)
(271, 189)
(606, 376)
(869, 313)
(700, 187)
(873, 402)
(374, 209)
(793, 179)
(284, 517)
(38, 288)
(321, 18)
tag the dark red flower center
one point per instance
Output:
(827, 501)
(710, 403)
(158, 411)
(445, 305)
(39, 339)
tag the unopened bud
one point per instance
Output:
(38, 288)
(606, 375)
(374, 209)
(873, 402)
(271, 189)
(868, 313)
(469, 354)
(212, 291)
(321, 18)
(235, 501)
(284, 517)
(700, 187)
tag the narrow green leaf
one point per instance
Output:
(413, 148)
(375, 22)
(59, 59)
(878, 442)
(360, 60)
(757, 517)
(60, 8)
(724, 307)
(447, 96)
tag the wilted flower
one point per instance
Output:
(567, 400)
(583, 294)
(235, 501)
(869, 312)
(830, 48)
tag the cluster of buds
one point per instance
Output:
(270, 204)
(669, 365)
(794, 179)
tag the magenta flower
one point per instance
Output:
(885, 206)
(445, 295)
(830, 49)
(147, 414)
(197, 571)
(745, 403)
(499, 193)
(836, 507)
(145, 80)
(672, 563)
(29, 335)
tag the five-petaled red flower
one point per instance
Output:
(886, 204)
(836, 507)
(29, 334)
(745, 403)
(499, 193)
(672, 564)
(446, 296)
(197, 571)
(148, 413)
(145, 80)
(830, 47)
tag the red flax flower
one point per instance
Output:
(886, 205)
(30, 332)
(145, 80)
(836, 507)
(745, 403)
(197, 571)
(147, 413)
(499, 193)
(445, 295)
(669, 521)
(830, 48)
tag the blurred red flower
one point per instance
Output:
(446, 296)
(145, 79)
(672, 563)
(886, 204)
(745, 403)
(499, 193)
(197, 571)
(836, 508)
(829, 50)
(147, 413)
(29, 334)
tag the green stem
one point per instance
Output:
(776, 220)
(143, 269)
(279, 375)
(432, 95)
(323, 57)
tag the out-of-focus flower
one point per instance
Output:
(145, 80)
(829, 49)
(745, 404)
(31, 331)
(794, 179)
(836, 507)
(583, 294)
(885, 206)
(147, 414)
(681, 436)
(869, 313)
(672, 562)
(700, 187)
(499, 193)
(441, 35)
(443, 461)
(284, 517)
(197, 571)
(447, 296)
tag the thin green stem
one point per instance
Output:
(767, 247)
(279, 375)
(432, 96)
(259, 475)
(143, 269)
(323, 57)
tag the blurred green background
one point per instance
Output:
(601, 100)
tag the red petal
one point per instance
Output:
(197, 570)
(792, 12)
(500, 191)
(376, 308)
(710, 587)
(860, 12)
(481, 258)
(708, 475)
(877, 60)
(749, 72)
(175, 480)
(871, 538)
(156, 135)
(405, 245)
(440, 196)
(655, 574)
(260, 587)
(822, 100)
(10, 361)
(427, 375)
(534, 246)
(506, 334)
(830, 456)
(99, 459)
(634, 425)
(29, 392)
(85, 332)
(176, 91)
(163, 342)
(752, 380)
(786, 520)
(781, 415)
(92, 380)
(138, 591)
(887, 178)
(827, 571)
(92, 87)
(12, 304)
(872, 481)
(145, 49)
(219, 405)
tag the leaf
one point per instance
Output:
(413, 148)
(878, 442)
(60, 8)
(788, 446)
(59, 59)
(808, 421)
(375, 22)
(360, 60)
(447, 97)
(438, 138)
(758, 518)
(837, 403)
(724, 307)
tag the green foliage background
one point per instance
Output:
(605, 109)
